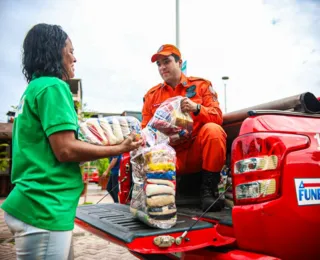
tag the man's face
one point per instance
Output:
(169, 69)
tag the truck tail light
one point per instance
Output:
(257, 160)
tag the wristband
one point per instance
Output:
(198, 110)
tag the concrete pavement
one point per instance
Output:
(86, 246)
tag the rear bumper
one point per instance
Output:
(207, 254)
(211, 253)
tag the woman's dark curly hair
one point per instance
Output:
(42, 52)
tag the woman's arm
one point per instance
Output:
(68, 149)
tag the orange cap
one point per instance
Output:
(166, 50)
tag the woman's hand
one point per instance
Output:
(130, 143)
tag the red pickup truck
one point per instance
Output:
(274, 156)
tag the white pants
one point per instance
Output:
(36, 243)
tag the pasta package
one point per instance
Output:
(109, 130)
(154, 176)
(171, 121)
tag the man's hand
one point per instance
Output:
(130, 143)
(187, 105)
(181, 140)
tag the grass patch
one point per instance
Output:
(87, 203)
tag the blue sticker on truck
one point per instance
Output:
(308, 191)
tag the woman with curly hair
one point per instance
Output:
(41, 208)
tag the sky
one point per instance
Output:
(269, 49)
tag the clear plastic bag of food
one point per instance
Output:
(108, 130)
(143, 158)
(138, 197)
(152, 137)
(154, 177)
(171, 121)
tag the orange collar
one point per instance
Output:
(183, 81)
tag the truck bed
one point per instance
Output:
(117, 221)
(114, 222)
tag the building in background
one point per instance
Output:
(5, 158)
(95, 114)
(136, 114)
(10, 116)
(76, 90)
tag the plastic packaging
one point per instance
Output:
(171, 121)
(154, 177)
(108, 130)
(152, 137)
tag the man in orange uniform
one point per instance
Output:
(205, 152)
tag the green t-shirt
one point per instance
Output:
(46, 191)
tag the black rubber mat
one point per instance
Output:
(117, 221)
(224, 216)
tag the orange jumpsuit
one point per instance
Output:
(206, 150)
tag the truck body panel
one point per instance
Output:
(285, 229)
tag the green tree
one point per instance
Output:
(102, 165)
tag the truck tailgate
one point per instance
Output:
(114, 222)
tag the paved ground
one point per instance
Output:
(86, 245)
